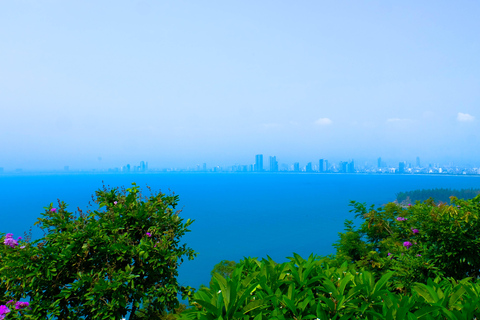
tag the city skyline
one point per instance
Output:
(258, 166)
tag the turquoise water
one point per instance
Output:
(236, 215)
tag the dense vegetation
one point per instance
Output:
(419, 261)
(100, 264)
(437, 194)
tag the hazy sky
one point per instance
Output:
(95, 84)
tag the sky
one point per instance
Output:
(99, 84)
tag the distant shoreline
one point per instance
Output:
(49, 173)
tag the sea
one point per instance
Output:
(236, 215)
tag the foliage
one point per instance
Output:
(101, 264)
(438, 194)
(314, 289)
(418, 242)
(225, 268)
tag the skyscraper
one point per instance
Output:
(379, 162)
(273, 164)
(309, 168)
(296, 167)
(258, 163)
(401, 167)
(418, 162)
(343, 166)
(351, 167)
(326, 165)
(142, 166)
(321, 165)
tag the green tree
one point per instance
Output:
(101, 264)
(224, 268)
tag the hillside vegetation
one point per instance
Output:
(437, 194)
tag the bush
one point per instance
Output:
(101, 264)
(418, 242)
(314, 289)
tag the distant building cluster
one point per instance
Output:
(319, 166)
(143, 167)
(324, 166)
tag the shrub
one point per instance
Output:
(418, 242)
(101, 264)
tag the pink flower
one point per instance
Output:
(149, 234)
(21, 305)
(401, 219)
(53, 209)
(9, 241)
(115, 202)
(415, 231)
(3, 311)
(407, 244)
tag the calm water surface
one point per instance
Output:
(236, 215)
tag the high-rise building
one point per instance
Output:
(321, 165)
(418, 162)
(309, 168)
(401, 167)
(296, 167)
(326, 166)
(142, 166)
(204, 167)
(379, 161)
(273, 164)
(343, 166)
(128, 168)
(258, 163)
(351, 167)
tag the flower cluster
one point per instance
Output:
(19, 305)
(407, 244)
(415, 231)
(401, 219)
(3, 311)
(9, 241)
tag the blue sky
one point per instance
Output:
(97, 84)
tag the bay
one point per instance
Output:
(236, 214)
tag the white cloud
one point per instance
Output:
(465, 117)
(323, 122)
